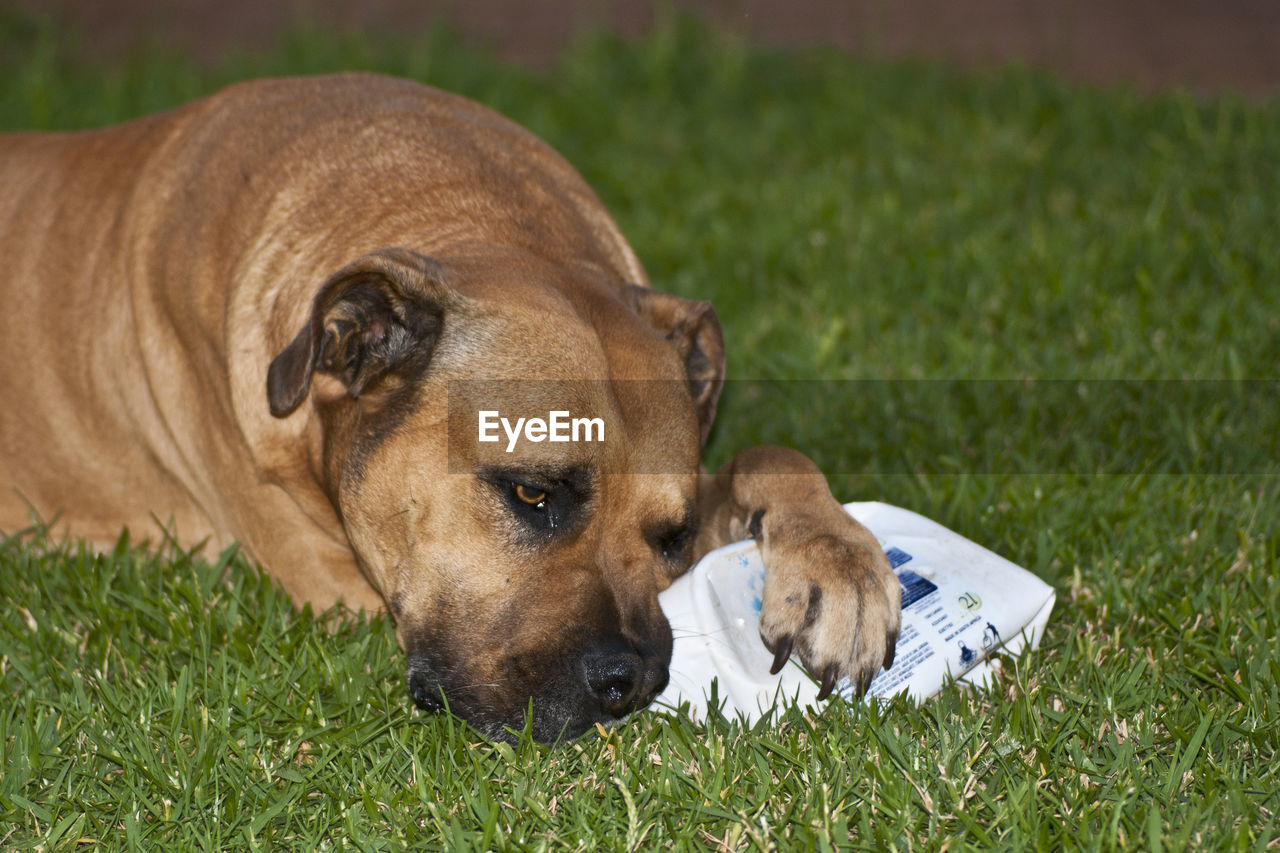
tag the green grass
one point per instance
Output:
(851, 220)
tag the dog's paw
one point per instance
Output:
(829, 596)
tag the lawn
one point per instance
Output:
(1040, 314)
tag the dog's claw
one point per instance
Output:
(781, 654)
(864, 682)
(829, 676)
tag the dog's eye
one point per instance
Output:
(531, 495)
(543, 503)
(674, 541)
(535, 506)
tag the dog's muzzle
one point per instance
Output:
(602, 682)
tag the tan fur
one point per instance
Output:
(155, 272)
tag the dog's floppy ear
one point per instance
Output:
(380, 315)
(694, 329)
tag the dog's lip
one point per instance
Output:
(426, 700)
(424, 690)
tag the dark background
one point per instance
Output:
(1207, 47)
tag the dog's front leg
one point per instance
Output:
(829, 594)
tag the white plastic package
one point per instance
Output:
(960, 604)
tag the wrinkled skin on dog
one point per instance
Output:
(291, 303)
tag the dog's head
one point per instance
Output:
(521, 559)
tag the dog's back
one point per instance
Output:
(74, 401)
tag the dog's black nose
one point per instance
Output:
(620, 678)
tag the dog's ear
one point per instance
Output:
(378, 316)
(694, 329)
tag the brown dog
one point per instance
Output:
(282, 314)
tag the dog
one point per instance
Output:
(284, 316)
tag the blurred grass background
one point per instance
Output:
(851, 220)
